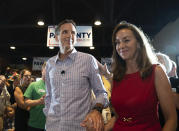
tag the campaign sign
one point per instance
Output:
(84, 36)
(38, 62)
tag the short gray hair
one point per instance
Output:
(165, 61)
(57, 29)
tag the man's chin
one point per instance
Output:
(66, 49)
(69, 49)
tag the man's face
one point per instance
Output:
(67, 37)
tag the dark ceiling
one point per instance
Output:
(18, 20)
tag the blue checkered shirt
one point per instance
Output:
(68, 91)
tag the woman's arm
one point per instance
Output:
(19, 98)
(165, 97)
(31, 103)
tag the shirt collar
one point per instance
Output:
(71, 55)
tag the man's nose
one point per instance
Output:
(69, 34)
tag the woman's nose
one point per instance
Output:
(122, 45)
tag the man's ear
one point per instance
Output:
(57, 38)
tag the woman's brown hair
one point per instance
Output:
(144, 60)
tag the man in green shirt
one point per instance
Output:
(34, 98)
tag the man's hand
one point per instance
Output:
(93, 121)
(103, 69)
(41, 100)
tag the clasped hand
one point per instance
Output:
(93, 121)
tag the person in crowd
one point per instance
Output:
(173, 72)
(170, 68)
(174, 80)
(4, 99)
(165, 62)
(8, 72)
(22, 111)
(14, 85)
(70, 77)
(106, 113)
(9, 119)
(33, 79)
(14, 82)
(139, 84)
(34, 98)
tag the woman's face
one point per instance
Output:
(126, 44)
(26, 79)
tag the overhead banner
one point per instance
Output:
(38, 62)
(84, 36)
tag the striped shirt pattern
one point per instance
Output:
(68, 95)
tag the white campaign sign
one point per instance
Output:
(84, 36)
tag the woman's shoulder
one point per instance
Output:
(160, 74)
(159, 69)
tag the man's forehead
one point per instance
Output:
(67, 26)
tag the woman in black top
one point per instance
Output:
(22, 112)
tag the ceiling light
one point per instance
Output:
(24, 58)
(40, 23)
(51, 47)
(97, 22)
(12, 47)
(92, 48)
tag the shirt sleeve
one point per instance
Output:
(48, 91)
(97, 84)
(29, 92)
